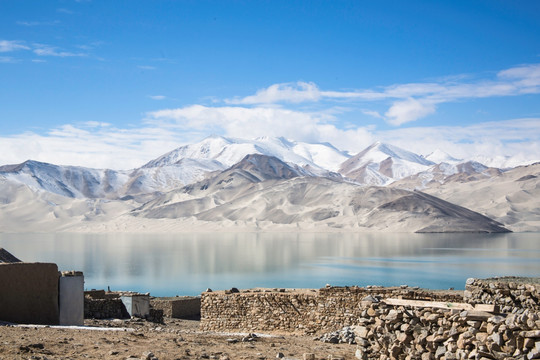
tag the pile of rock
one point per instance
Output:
(493, 319)
(344, 336)
(508, 292)
(389, 332)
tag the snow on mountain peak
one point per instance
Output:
(228, 152)
(382, 164)
(438, 156)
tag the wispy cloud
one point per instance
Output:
(407, 102)
(146, 67)
(64, 11)
(157, 97)
(495, 143)
(241, 121)
(12, 45)
(505, 143)
(47, 50)
(38, 23)
(8, 60)
(37, 49)
(502, 143)
(90, 146)
(372, 113)
(408, 110)
(294, 93)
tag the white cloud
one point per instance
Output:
(518, 139)
(295, 93)
(8, 60)
(407, 102)
(90, 146)
(146, 67)
(47, 50)
(101, 145)
(288, 92)
(38, 49)
(405, 111)
(241, 121)
(372, 113)
(157, 97)
(496, 143)
(64, 11)
(526, 78)
(38, 23)
(12, 45)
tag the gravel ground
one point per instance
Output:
(175, 339)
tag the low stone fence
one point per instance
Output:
(392, 323)
(99, 304)
(104, 309)
(507, 292)
(309, 311)
(413, 332)
(180, 307)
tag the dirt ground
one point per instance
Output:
(175, 339)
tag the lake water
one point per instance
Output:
(187, 264)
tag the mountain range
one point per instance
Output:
(273, 184)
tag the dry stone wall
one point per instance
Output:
(444, 327)
(104, 309)
(507, 292)
(99, 304)
(308, 311)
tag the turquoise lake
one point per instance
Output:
(187, 264)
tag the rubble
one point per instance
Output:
(491, 319)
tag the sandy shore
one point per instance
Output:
(175, 339)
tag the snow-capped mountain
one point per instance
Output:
(266, 183)
(185, 165)
(438, 156)
(265, 192)
(379, 164)
(69, 181)
(166, 177)
(382, 164)
(443, 173)
(229, 151)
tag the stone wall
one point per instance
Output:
(180, 307)
(309, 311)
(407, 332)
(507, 292)
(99, 304)
(384, 326)
(29, 293)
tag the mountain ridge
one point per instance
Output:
(72, 197)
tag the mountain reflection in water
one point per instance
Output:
(186, 264)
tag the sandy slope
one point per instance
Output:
(298, 204)
(512, 198)
(23, 209)
(271, 196)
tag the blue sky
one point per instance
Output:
(117, 83)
